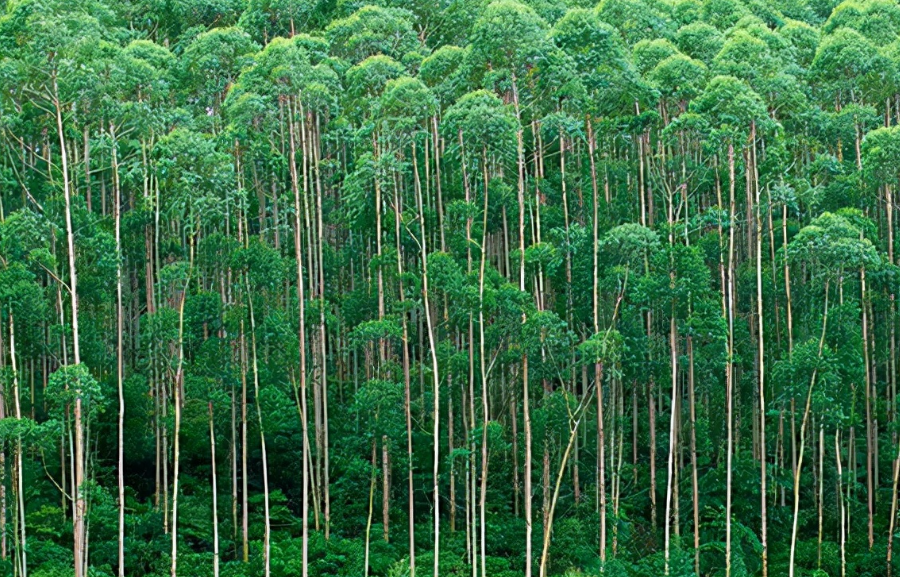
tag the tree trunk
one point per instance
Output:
(871, 438)
(326, 450)
(729, 366)
(372, 478)
(244, 492)
(78, 520)
(177, 390)
(215, 496)
(436, 416)
(840, 497)
(117, 208)
(520, 153)
(695, 492)
(20, 486)
(267, 535)
(672, 433)
(573, 434)
(761, 368)
(821, 492)
(385, 489)
(295, 187)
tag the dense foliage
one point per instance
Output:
(464, 287)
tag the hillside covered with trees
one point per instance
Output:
(449, 288)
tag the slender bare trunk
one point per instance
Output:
(245, 543)
(177, 390)
(385, 490)
(78, 520)
(761, 368)
(695, 492)
(871, 438)
(20, 474)
(729, 366)
(372, 478)
(486, 416)
(267, 535)
(526, 411)
(840, 497)
(117, 208)
(436, 382)
(673, 419)
(406, 378)
(298, 249)
(215, 495)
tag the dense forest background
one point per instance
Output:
(449, 288)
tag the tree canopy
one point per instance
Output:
(474, 287)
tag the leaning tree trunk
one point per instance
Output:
(803, 424)
(267, 535)
(20, 487)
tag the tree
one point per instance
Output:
(293, 287)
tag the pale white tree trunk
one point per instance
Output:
(79, 460)
(117, 210)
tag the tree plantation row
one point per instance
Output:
(460, 288)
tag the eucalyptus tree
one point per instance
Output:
(54, 42)
(638, 20)
(211, 63)
(265, 20)
(251, 263)
(648, 53)
(281, 71)
(378, 399)
(623, 252)
(735, 112)
(485, 129)
(850, 70)
(607, 85)
(23, 302)
(699, 40)
(373, 30)
(803, 38)
(677, 283)
(444, 72)
(610, 83)
(880, 153)
(505, 40)
(877, 20)
(406, 108)
(832, 246)
(120, 373)
(679, 80)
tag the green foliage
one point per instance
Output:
(373, 30)
(71, 383)
(638, 207)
